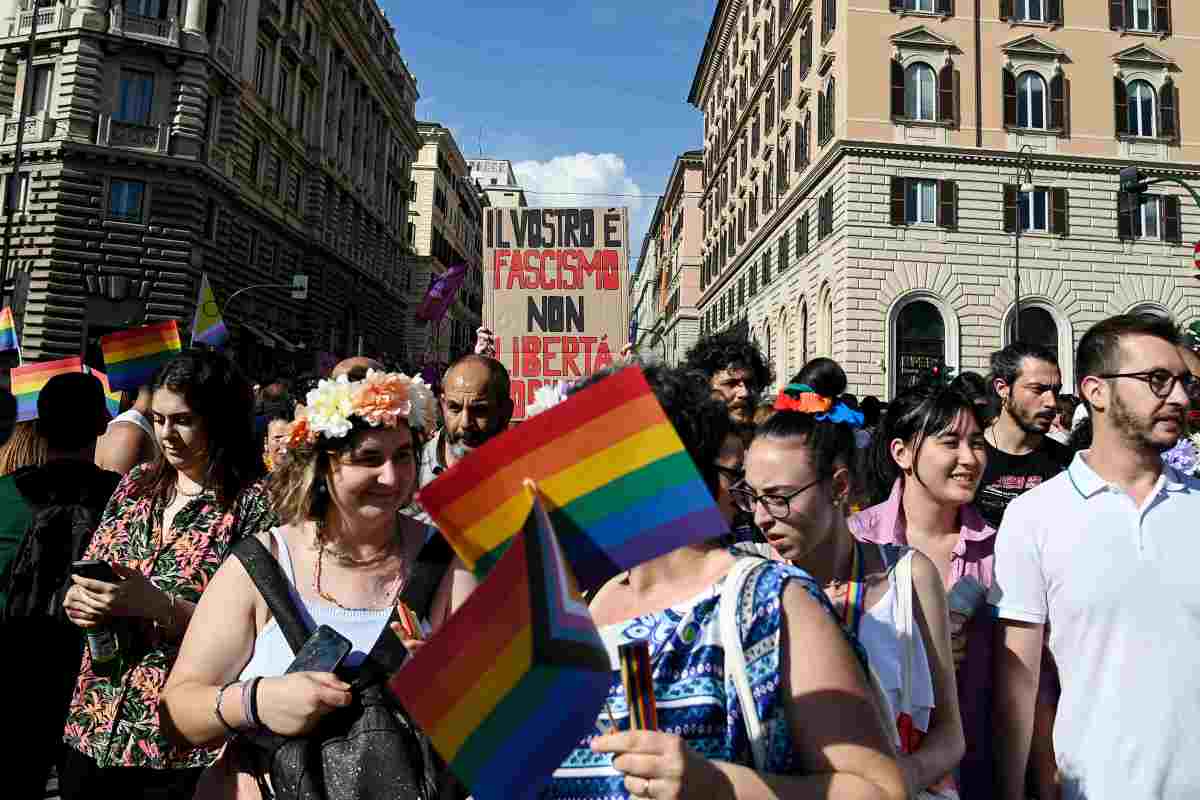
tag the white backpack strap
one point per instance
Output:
(735, 655)
(904, 612)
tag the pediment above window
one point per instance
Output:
(1035, 48)
(921, 38)
(1142, 56)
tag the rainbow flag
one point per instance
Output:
(517, 677)
(620, 487)
(8, 330)
(28, 380)
(133, 356)
(112, 399)
(207, 325)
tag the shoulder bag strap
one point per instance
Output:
(272, 584)
(735, 654)
(904, 611)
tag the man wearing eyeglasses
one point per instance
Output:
(1105, 554)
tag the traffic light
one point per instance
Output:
(1131, 181)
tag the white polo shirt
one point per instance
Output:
(1120, 587)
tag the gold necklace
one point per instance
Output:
(329, 597)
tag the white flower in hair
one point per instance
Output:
(421, 398)
(330, 406)
(546, 398)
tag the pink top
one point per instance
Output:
(973, 555)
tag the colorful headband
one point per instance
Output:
(381, 399)
(803, 398)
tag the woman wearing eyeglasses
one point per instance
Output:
(797, 482)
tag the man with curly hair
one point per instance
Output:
(736, 370)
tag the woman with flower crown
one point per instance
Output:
(347, 555)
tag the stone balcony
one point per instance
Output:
(149, 29)
(149, 136)
(49, 18)
(37, 129)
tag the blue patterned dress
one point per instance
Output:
(695, 700)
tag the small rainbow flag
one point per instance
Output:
(516, 677)
(112, 399)
(133, 356)
(618, 483)
(207, 325)
(28, 380)
(8, 330)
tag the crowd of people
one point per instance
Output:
(978, 589)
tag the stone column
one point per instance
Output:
(194, 37)
(91, 14)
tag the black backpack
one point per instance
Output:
(372, 746)
(67, 503)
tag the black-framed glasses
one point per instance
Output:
(1161, 381)
(777, 505)
(734, 475)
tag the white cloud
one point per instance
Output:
(581, 174)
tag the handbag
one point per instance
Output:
(372, 746)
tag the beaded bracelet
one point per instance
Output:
(248, 721)
(217, 709)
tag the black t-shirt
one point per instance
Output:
(1008, 476)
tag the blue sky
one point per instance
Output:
(582, 97)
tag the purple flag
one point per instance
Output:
(441, 293)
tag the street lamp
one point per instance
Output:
(1024, 170)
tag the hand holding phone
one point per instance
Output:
(323, 652)
(95, 570)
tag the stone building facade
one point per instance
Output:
(247, 139)
(497, 182)
(680, 241)
(643, 294)
(446, 221)
(869, 165)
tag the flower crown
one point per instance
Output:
(381, 399)
(803, 398)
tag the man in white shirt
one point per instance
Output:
(1106, 553)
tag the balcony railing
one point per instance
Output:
(134, 135)
(150, 29)
(49, 18)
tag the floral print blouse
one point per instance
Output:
(114, 721)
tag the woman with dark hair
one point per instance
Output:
(166, 530)
(797, 485)
(821, 735)
(925, 468)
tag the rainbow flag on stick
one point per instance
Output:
(618, 483)
(112, 399)
(207, 325)
(28, 380)
(133, 356)
(517, 677)
(8, 332)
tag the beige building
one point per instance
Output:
(247, 139)
(445, 219)
(866, 176)
(497, 182)
(680, 242)
(645, 311)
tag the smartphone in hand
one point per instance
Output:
(95, 570)
(323, 652)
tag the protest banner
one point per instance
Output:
(555, 292)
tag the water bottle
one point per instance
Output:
(105, 650)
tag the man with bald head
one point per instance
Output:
(476, 406)
(355, 368)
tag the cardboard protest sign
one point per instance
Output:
(555, 292)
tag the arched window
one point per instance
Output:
(920, 338)
(767, 342)
(1037, 327)
(920, 92)
(1031, 101)
(827, 322)
(783, 368)
(1141, 109)
(803, 332)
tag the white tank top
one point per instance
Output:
(272, 655)
(879, 634)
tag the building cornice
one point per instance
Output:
(724, 18)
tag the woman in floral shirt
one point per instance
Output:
(165, 532)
